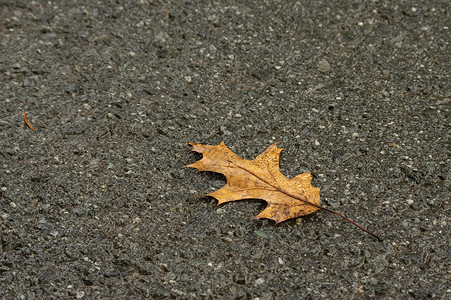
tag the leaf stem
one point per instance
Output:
(26, 121)
(352, 222)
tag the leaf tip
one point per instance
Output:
(277, 143)
(193, 145)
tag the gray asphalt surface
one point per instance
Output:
(96, 204)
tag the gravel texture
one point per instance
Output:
(96, 203)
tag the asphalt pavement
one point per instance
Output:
(95, 202)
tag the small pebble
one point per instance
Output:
(324, 66)
(261, 233)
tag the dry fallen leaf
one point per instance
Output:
(261, 179)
